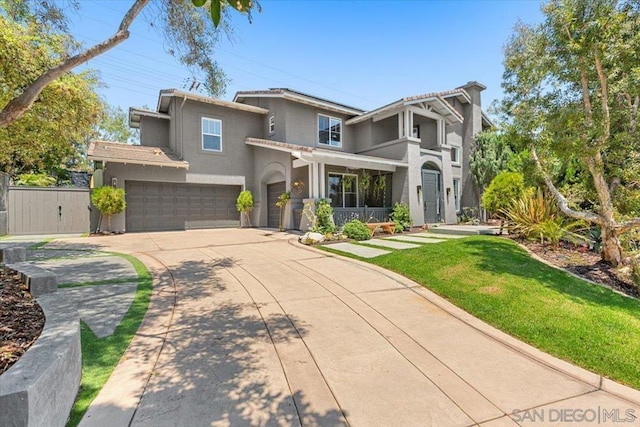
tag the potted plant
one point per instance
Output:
(244, 204)
(109, 201)
(364, 182)
(282, 202)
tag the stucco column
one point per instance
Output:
(414, 180)
(449, 209)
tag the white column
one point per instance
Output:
(408, 122)
(323, 191)
(313, 180)
(400, 125)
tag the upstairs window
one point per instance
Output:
(329, 131)
(272, 124)
(211, 134)
(455, 155)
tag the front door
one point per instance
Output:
(431, 195)
(273, 192)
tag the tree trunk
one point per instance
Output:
(611, 250)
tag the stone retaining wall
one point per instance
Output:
(39, 390)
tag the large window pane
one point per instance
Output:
(329, 131)
(335, 190)
(211, 142)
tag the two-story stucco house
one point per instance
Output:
(197, 153)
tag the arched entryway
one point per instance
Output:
(431, 193)
(273, 184)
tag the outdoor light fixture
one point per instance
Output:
(297, 186)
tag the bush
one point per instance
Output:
(635, 272)
(536, 217)
(401, 216)
(244, 204)
(357, 230)
(503, 190)
(109, 201)
(323, 222)
(35, 180)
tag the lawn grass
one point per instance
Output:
(498, 282)
(101, 355)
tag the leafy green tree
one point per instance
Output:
(244, 204)
(503, 190)
(191, 29)
(67, 109)
(109, 201)
(490, 156)
(572, 89)
(113, 125)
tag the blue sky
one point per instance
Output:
(361, 53)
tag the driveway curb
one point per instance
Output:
(118, 400)
(597, 381)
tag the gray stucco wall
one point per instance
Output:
(428, 131)
(383, 130)
(471, 126)
(154, 132)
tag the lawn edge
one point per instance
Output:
(581, 374)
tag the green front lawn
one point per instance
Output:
(498, 282)
(101, 355)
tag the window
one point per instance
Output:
(329, 131)
(456, 193)
(272, 124)
(343, 190)
(211, 134)
(416, 131)
(455, 155)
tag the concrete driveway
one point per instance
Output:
(247, 327)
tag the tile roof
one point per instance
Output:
(118, 152)
(297, 95)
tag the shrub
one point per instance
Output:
(109, 201)
(35, 180)
(357, 230)
(536, 217)
(401, 216)
(324, 218)
(635, 272)
(244, 204)
(283, 200)
(503, 190)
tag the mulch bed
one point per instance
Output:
(586, 264)
(21, 319)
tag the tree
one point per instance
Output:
(66, 110)
(491, 155)
(503, 190)
(109, 201)
(572, 88)
(244, 204)
(114, 126)
(191, 29)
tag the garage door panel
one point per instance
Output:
(153, 206)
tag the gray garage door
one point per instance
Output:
(273, 192)
(159, 206)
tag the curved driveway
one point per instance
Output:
(247, 327)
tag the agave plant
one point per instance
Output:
(536, 217)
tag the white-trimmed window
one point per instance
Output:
(329, 131)
(343, 190)
(211, 134)
(455, 155)
(456, 193)
(272, 124)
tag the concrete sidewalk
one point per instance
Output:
(248, 328)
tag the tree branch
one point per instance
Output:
(604, 94)
(628, 225)
(562, 201)
(20, 104)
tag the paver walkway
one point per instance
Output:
(247, 328)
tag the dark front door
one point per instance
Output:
(273, 192)
(431, 195)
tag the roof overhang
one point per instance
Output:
(437, 103)
(115, 152)
(306, 155)
(301, 99)
(136, 114)
(486, 121)
(165, 98)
